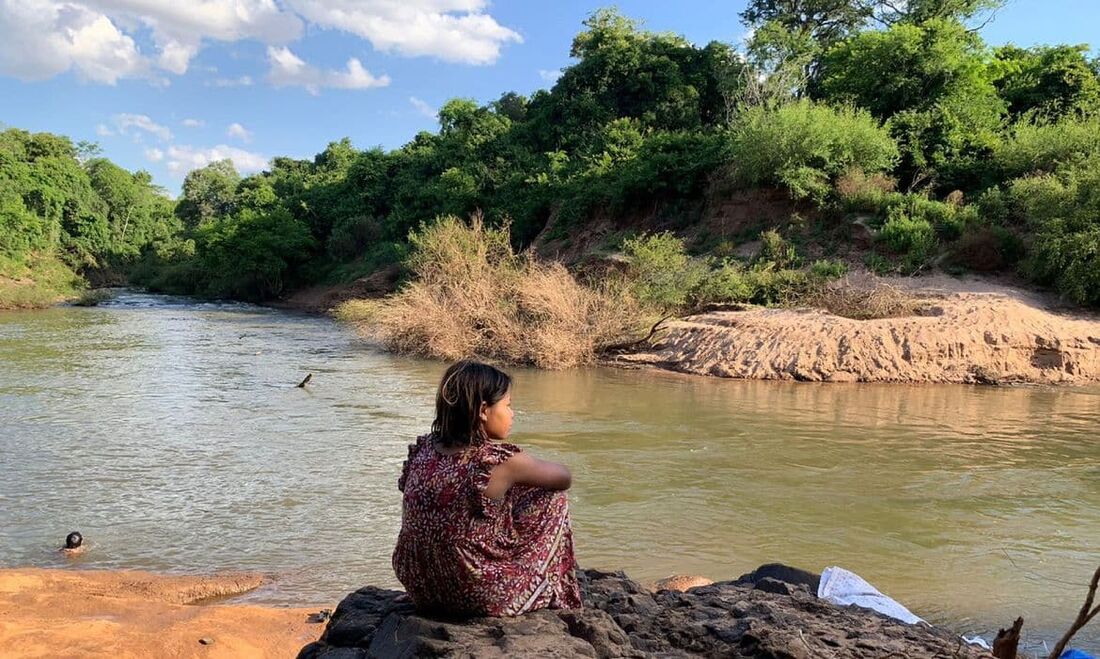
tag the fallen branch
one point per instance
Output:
(630, 344)
(1087, 613)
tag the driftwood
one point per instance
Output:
(1087, 613)
(303, 383)
(1007, 642)
(619, 347)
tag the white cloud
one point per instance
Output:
(179, 28)
(182, 159)
(155, 155)
(550, 76)
(128, 123)
(423, 108)
(103, 131)
(240, 132)
(96, 38)
(243, 81)
(288, 70)
(452, 30)
(193, 123)
(44, 38)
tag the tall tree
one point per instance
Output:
(208, 193)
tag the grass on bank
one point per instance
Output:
(35, 282)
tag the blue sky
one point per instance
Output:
(166, 85)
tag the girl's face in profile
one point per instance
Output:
(496, 420)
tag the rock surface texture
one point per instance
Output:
(756, 616)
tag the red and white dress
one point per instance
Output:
(461, 553)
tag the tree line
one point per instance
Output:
(893, 114)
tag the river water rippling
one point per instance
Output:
(172, 435)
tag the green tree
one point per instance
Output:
(208, 193)
(825, 22)
(934, 84)
(252, 255)
(1048, 81)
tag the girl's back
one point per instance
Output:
(460, 550)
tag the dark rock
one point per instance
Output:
(760, 615)
(769, 585)
(784, 573)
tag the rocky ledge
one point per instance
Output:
(769, 613)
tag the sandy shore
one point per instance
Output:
(970, 332)
(64, 613)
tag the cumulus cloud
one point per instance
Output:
(103, 131)
(289, 70)
(135, 124)
(193, 123)
(239, 132)
(180, 28)
(182, 159)
(95, 38)
(423, 108)
(43, 38)
(154, 155)
(453, 30)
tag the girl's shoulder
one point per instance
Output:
(493, 453)
(422, 442)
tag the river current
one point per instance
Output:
(172, 435)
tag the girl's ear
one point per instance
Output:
(483, 412)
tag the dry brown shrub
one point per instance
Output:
(472, 296)
(856, 184)
(863, 301)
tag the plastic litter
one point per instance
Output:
(1076, 654)
(845, 588)
(979, 641)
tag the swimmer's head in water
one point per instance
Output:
(73, 540)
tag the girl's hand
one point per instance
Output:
(523, 469)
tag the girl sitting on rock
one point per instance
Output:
(485, 526)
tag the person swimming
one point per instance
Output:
(74, 544)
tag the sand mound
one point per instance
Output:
(963, 337)
(62, 613)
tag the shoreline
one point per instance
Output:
(975, 331)
(123, 613)
(969, 331)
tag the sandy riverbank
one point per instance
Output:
(64, 613)
(968, 332)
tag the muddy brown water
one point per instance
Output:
(172, 435)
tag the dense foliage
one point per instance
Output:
(63, 212)
(891, 121)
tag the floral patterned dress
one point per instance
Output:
(461, 553)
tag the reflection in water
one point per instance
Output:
(172, 435)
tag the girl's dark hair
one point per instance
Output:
(464, 387)
(73, 540)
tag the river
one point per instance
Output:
(171, 433)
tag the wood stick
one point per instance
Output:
(1086, 614)
(1007, 643)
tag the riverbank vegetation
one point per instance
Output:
(68, 216)
(857, 136)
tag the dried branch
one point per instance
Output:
(631, 344)
(1087, 613)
